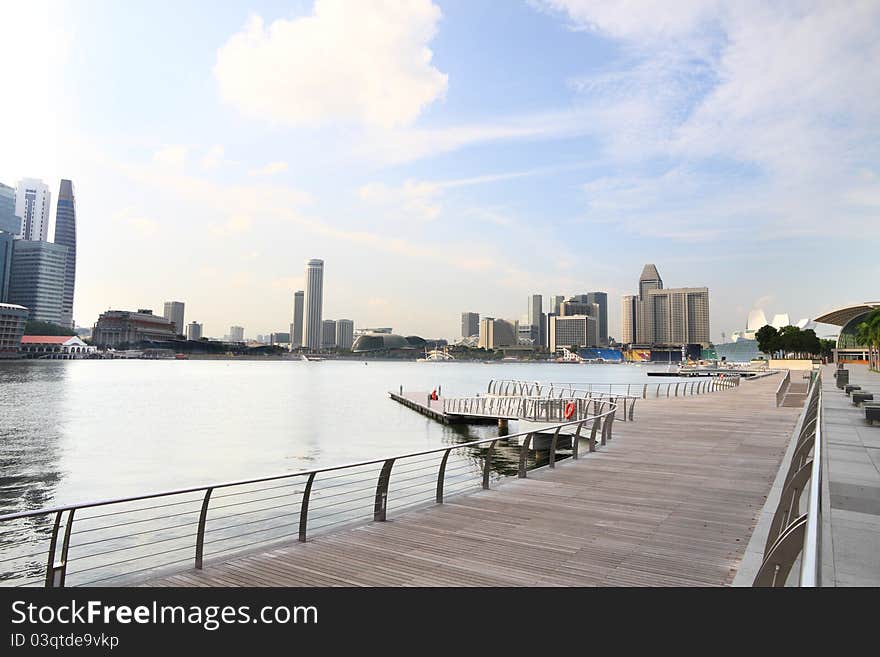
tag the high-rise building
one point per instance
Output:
(496, 333)
(575, 307)
(314, 303)
(601, 300)
(33, 205)
(36, 279)
(65, 234)
(535, 315)
(556, 302)
(328, 334)
(7, 242)
(671, 316)
(193, 331)
(296, 329)
(572, 331)
(236, 334)
(649, 280)
(174, 312)
(628, 318)
(470, 324)
(344, 333)
(9, 223)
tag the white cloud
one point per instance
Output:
(735, 118)
(142, 225)
(171, 157)
(365, 62)
(270, 169)
(235, 225)
(214, 158)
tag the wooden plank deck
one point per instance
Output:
(671, 501)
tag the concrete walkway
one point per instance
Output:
(853, 453)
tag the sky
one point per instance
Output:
(452, 156)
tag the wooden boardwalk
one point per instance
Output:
(671, 501)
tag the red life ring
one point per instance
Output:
(569, 410)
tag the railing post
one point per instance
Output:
(304, 509)
(200, 535)
(574, 441)
(523, 453)
(487, 466)
(381, 504)
(50, 562)
(632, 408)
(553, 447)
(441, 476)
(645, 392)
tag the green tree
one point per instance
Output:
(768, 339)
(34, 327)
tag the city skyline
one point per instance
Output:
(450, 187)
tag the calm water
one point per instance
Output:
(74, 431)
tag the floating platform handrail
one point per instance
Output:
(795, 530)
(359, 487)
(505, 387)
(783, 387)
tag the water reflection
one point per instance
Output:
(32, 398)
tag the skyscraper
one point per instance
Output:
(194, 331)
(601, 300)
(556, 302)
(535, 317)
(671, 316)
(649, 280)
(10, 225)
(37, 278)
(296, 329)
(470, 324)
(344, 333)
(236, 334)
(65, 234)
(174, 312)
(313, 303)
(328, 334)
(33, 205)
(628, 318)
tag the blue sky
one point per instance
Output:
(450, 156)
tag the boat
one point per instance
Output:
(310, 359)
(181, 356)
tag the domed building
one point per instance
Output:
(848, 318)
(382, 342)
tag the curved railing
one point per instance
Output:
(700, 386)
(536, 409)
(794, 530)
(119, 540)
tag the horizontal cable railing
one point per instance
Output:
(505, 387)
(536, 409)
(794, 530)
(125, 539)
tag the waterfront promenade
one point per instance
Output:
(672, 500)
(853, 454)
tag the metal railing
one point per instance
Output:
(783, 387)
(119, 540)
(633, 390)
(794, 530)
(536, 409)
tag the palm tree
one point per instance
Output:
(868, 334)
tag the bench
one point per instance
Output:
(861, 396)
(872, 413)
(842, 377)
(849, 388)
